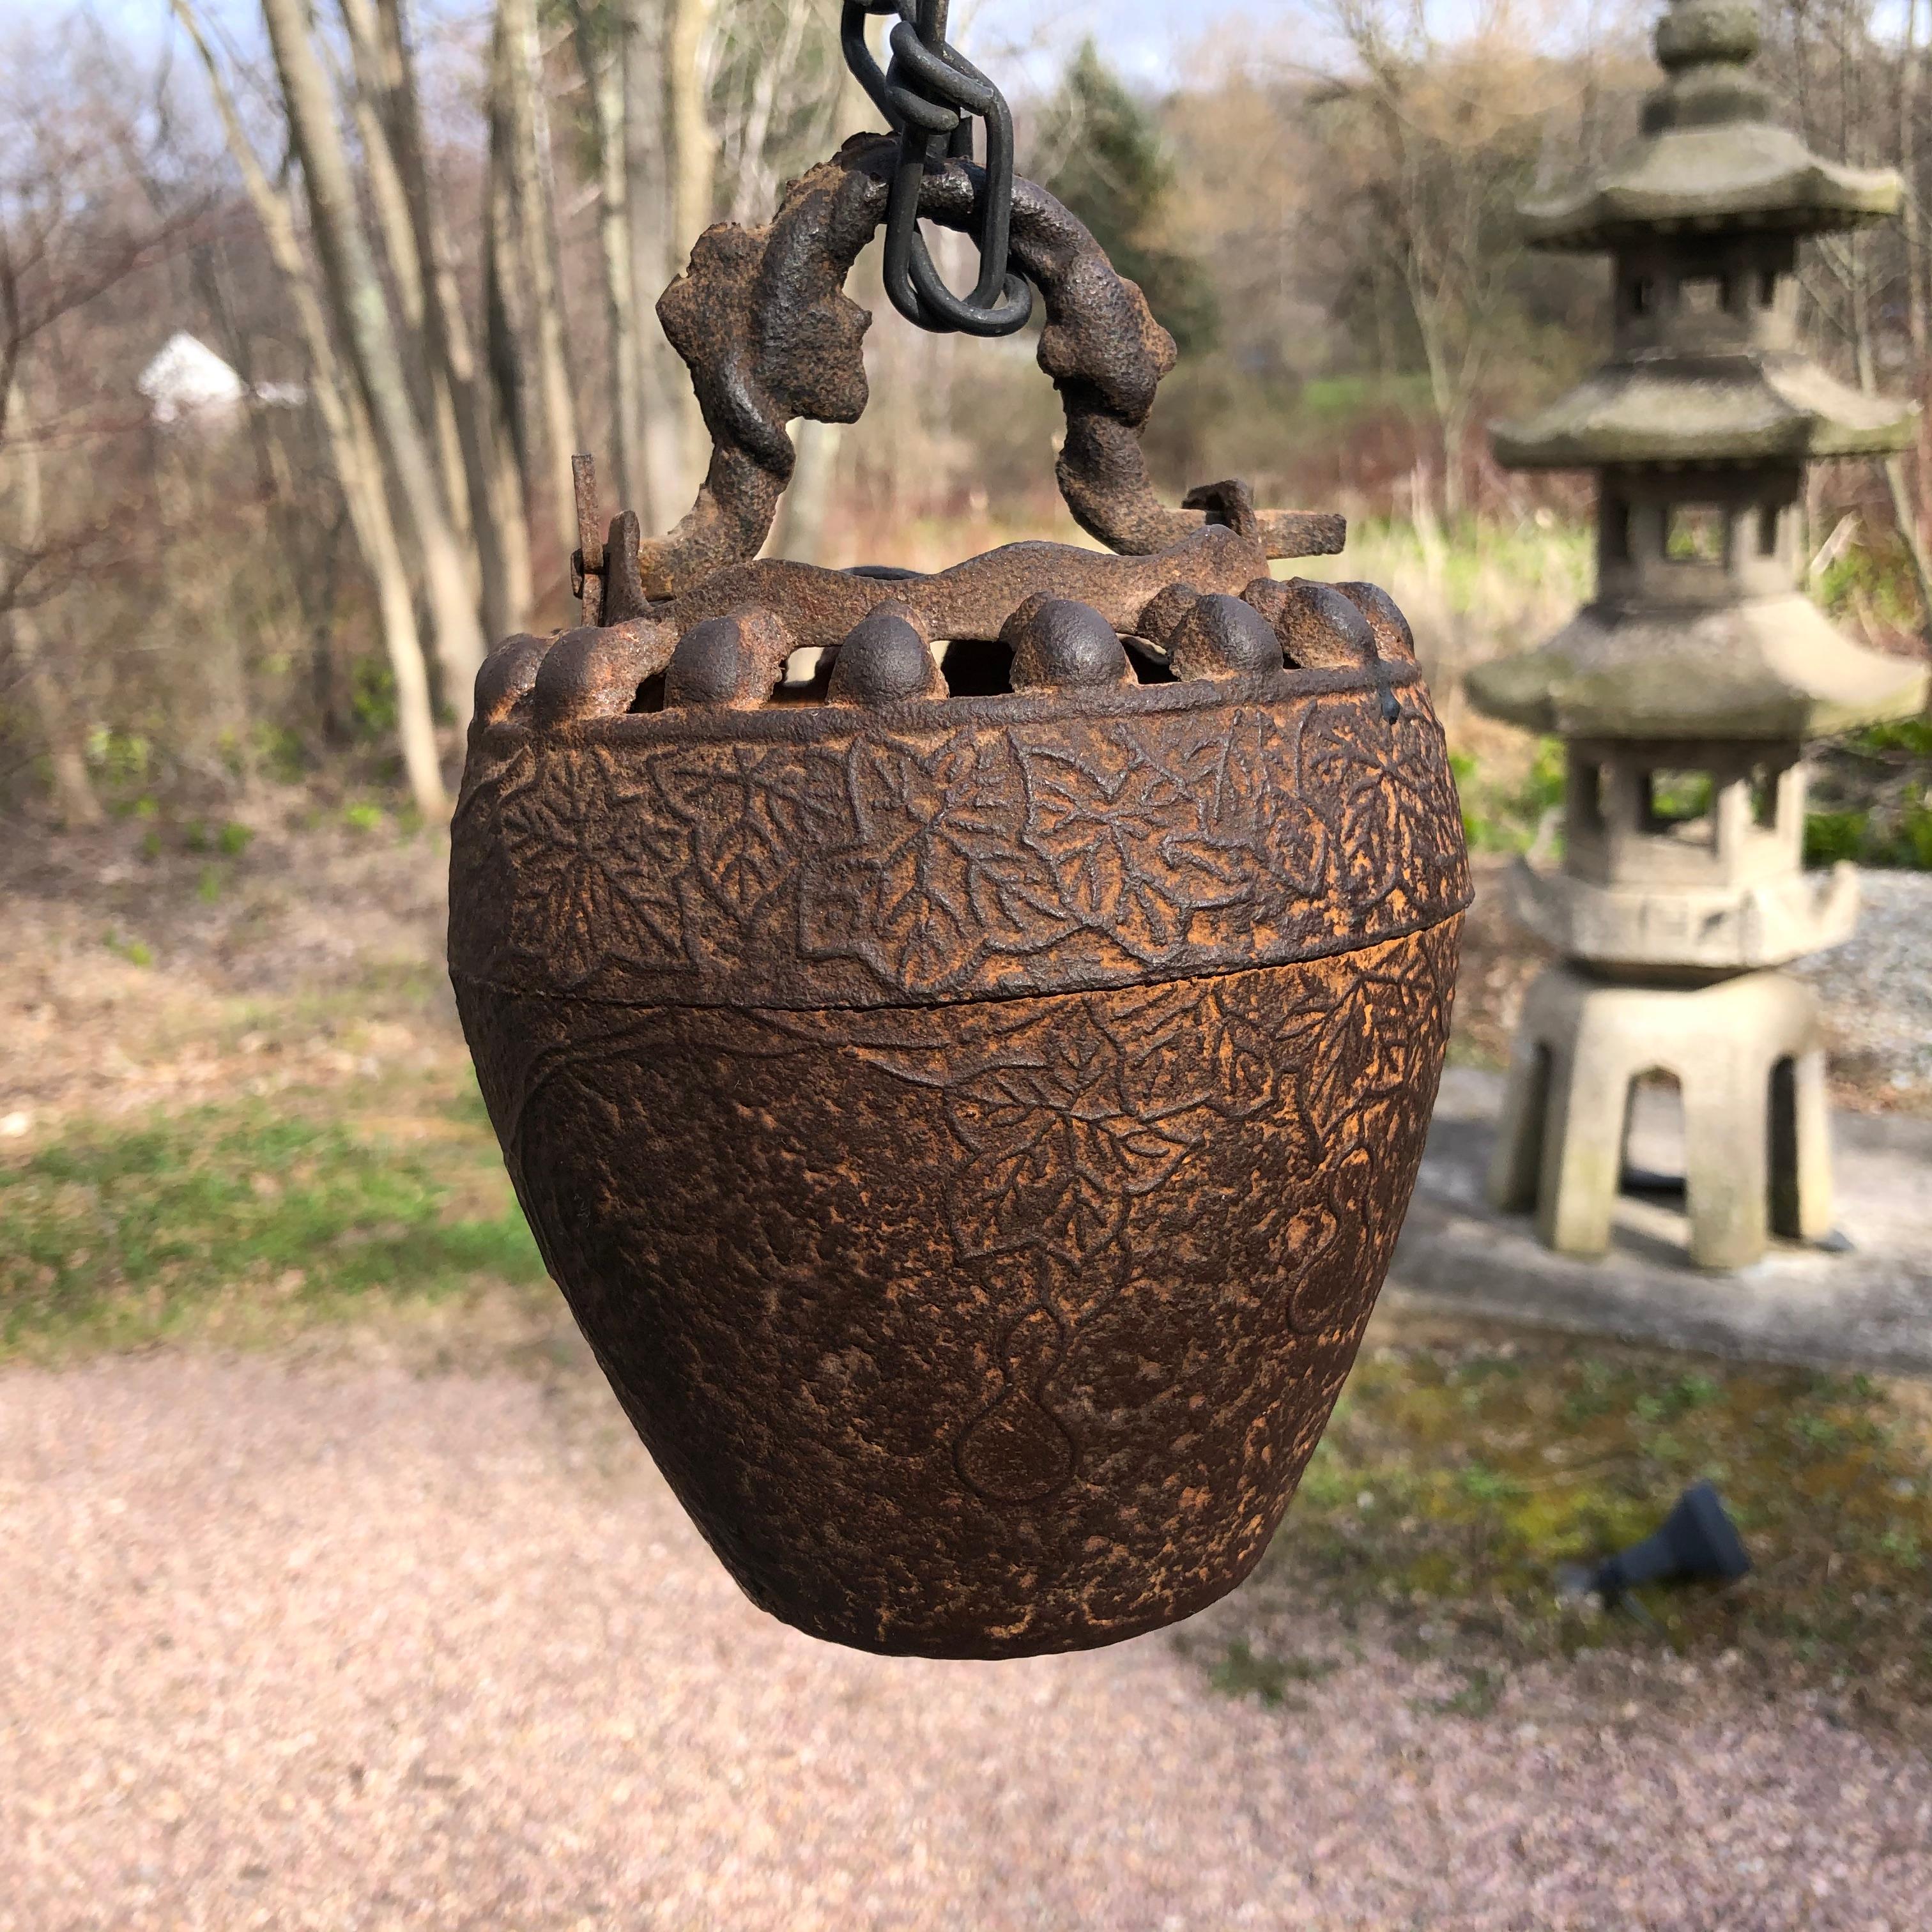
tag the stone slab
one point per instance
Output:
(1869, 1308)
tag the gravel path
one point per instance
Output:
(341, 1647)
(1877, 987)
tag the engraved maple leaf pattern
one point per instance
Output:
(1057, 1145)
(928, 885)
(586, 870)
(1365, 1062)
(971, 860)
(478, 854)
(746, 812)
(1120, 832)
(1276, 848)
(1388, 786)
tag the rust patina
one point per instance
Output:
(968, 1093)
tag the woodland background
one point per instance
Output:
(252, 1210)
(429, 240)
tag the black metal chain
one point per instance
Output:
(931, 95)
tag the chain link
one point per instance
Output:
(931, 95)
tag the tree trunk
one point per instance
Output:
(499, 381)
(67, 754)
(603, 78)
(352, 445)
(692, 153)
(67, 745)
(374, 102)
(1899, 482)
(694, 148)
(1455, 457)
(807, 502)
(671, 428)
(506, 326)
(1912, 213)
(529, 144)
(1904, 511)
(495, 496)
(349, 275)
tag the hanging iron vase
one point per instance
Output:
(968, 1087)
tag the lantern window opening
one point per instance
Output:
(1696, 533)
(1767, 529)
(1651, 1144)
(1587, 792)
(1643, 295)
(1764, 787)
(1677, 804)
(1704, 295)
(1767, 288)
(1616, 524)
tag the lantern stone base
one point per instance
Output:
(1748, 1057)
(1862, 1303)
(1712, 929)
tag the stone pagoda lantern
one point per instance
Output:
(1686, 690)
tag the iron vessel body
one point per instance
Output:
(971, 1132)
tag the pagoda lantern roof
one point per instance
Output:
(1712, 155)
(1764, 668)
(1750, 408)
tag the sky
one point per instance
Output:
(1141, 37)
(1144, 40)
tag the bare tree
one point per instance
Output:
(516, 100)
(599, 51)
(76, 233)
(352, 445)
(66, 741)
(487, 491)
(1429, 146)
(1858, 99)
(362, 313)
(692, 143)
(371, 95)
(673, 433)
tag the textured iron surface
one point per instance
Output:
(971, 1133)
(960, 848)
(980, 1331)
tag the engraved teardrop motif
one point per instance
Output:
(1017, 1450)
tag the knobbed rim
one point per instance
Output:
(808, 721)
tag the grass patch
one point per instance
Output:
(117, 1235)
(1240, 1671)
(1481, 1689)
(1453, 1483)
(1504, 813)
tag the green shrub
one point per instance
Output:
(1830, 836)
(1506, 817)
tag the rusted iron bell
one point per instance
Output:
(968, 1098)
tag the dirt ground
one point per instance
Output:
(397, 1626)
(340, 1644)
